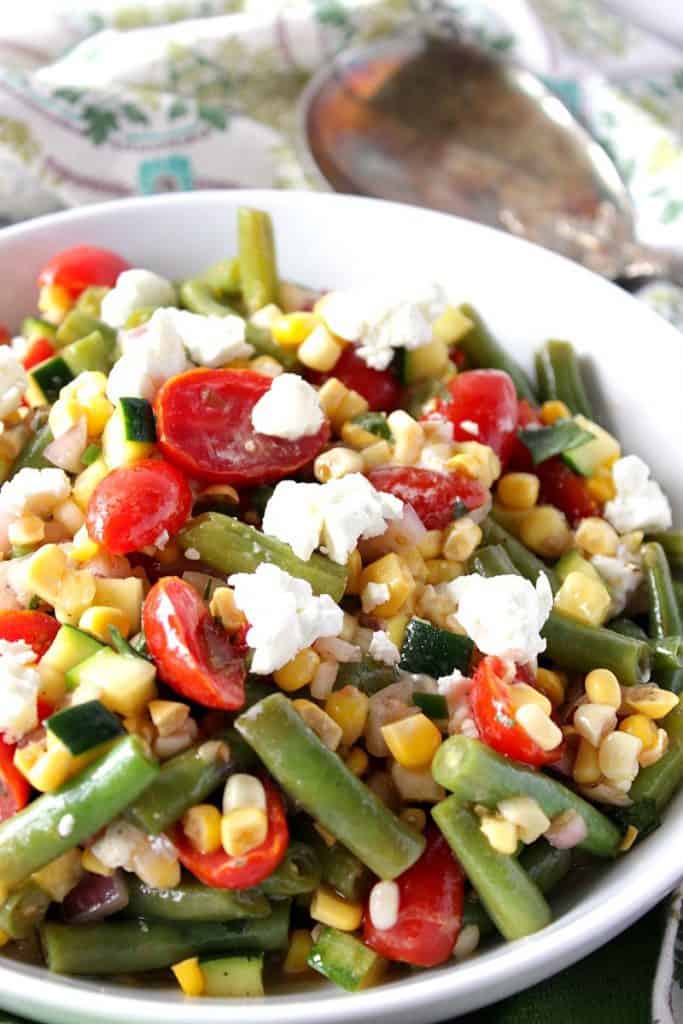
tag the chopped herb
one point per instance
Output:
(460, 509)
(34, 603)
(374, 423)
(544, 442)
(91, 454)
(434, 705)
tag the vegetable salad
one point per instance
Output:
(327, 638)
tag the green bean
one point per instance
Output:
(192, 901)
(23, 910)
(660, 780)
(32, 838)
(626, 627)
(484, 352)
(223, 278)
(515, 903)
(524, 561)
(678, 591)
(368, 675)
(665, 619)
(492, 560)
(671, 679)
(262, 341)
(559, 377)
(476, 774)
(319, 781)
(256, 253)
(672, 542)
(123, 947)
(298, 874)
(187, 779)
(341, 869)
(583, 648)
(32, 455)
(228, 546)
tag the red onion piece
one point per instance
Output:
(94, 898)
(406, 532)
(67, 449)
(567, 831)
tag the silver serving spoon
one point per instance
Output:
(432, 121)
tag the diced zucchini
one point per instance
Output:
(130, 433)
(589, 457)
(367, 675)
(433, 705)
(86, 482)
(84, 726)
(78, 324)
(94, 352)
(33, 327)
(125, 685)
(90, 301)
(126, 595)
(233, 977)
(433, 651)
(425, 363)
(345, 960)
(47, 379)
(572, 561)
(69, 648)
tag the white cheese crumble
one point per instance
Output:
(210, 340)
(13, 381)
(20, 684)
(152, 353)
(34, 492)
(622, 576)
(640, 503)
(380, 320)
(289, 409)
(374, 594)
(284, 615)
(334, 515)
(504, 615)
(382, 648)
(134, 290)
(65, 825)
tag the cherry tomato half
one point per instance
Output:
(14, 789)
(430, 909)
(487, 400)
(221, 871)
(204, 426)
(432, 494)
(193, 654)
(135, 505)
(519, 459)
(567, 490)
(37, 352)
(380, 388)
(36, 629)
(81, 267)
(494, 716)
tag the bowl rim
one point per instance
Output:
(518, 965)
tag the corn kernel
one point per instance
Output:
(53, 302)
(336, 463)
(69, 515)
(298, 672)
(4, 938)
(320, 351)
(320, 722)
(300, 945)
(51, 769)
(415, 817)
(45, 572)
(377, 454)
(431, 544)
(584, 599)
(86, 482)
(357, 762)
(356, 436)
(629, 839)
(594, 722)
(527, 815)
(351, 405)
(243, 830)
(656, 751)
(461, 539)
(544, 529)
(330, 396)
(94, 865)
(552, 684)
(601, 485)
(290, 329)
(452, 325)
(265, 316)
(393, 572)
(60, 876)
(595, 536)
(189, 976)
(650, 701)
(168, 716)
(222, 606)
(518, 490)
(202, 826)
(349, 709)
(354, 568)
(83, 547)
(552, 411)
(441, 570)
(26, 530)
(602, 687)
(267, 366)
(333, 910)
(99, 619)
(618, 756)
(522, 693)
(412, 741)
(243, 790)
(408, 437)
(538, 726)
(502, 835)
(642, 727)
(586, 769)
(476, 460)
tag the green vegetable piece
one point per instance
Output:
(545, 442)
(583, 648)
(90, 300)
(84, 726)
(256, 254)
(23, 910)
(492, 560)
(659, 781)
(374, 423)
(432, 704)
(597, 451)
(33, 327)
(192, 901)
(559, 377)
(121, 645)
(233, 977)
(47, 379)
(77, 325)
(297, 874)
(672, 542)
(525, 562)
(345, 960)
(665, 618)
(367, 675)
(91, 454)
(223, 278)
(460, 509)
(433, 651)
(341, 869)
(31, 456)
(69, 648)
(319, 781)
(484, 352)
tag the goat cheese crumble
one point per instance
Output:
(13, 381)
(504, 615)
(382, 648)
(152, 353)
(284, 615)
(289, 409)
(334, 515)
(20, 685)
(640, 503)
(134, 290)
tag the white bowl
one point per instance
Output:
(635, 363)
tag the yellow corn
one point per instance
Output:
(156, 867)
(595, 536)
(618, 756)
(300, 945)
(476, 460)
(333, 910)
(264, 316)
(461, 539)
(94, 865)
(76, 594)
(656, 751)
(349, 709)
(357, 761)
(539, 726)
(87, 481)
(552, 684)
(243, 830)
(69, 515)
(650, 701)
(126, 594)
(27, 530)
(501, 834)
(629, 839)
(4, 938)
(222, 606)
(83, 547)
(45, 572)
(298, 672)
(50, 769)
(354, 568)
(415, 563)
(168, 716)
(290, 329)
(526, 814)
(544, 529)
(415, 817)
(522, 693)
(396, 628)
(330, 396)
(586, 770)
(320, 351)
(431, 544)
(356, 437)
(602, 687)
(202, 826)
(377, 454)
(267, 366)
(53, 302)
(441, 570)
(336, 463)
(583, 598)
(518, 490)
(601, 485)
(642, 727)
(408, 437)
(352, 404)
(393, 572)
(99, 619)
(594, 721)
(452, 325)
(320, 722)
(60, 876)
(552, 411)
(412, 741)
(189, 976)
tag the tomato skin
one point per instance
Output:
(494, 717)
(567, 490)
(132, 506)
(487, 398)
(430, 909)
(81, 267)
(380, 388)
(36, 629)
(221, 871)
(37, 352)
(193, 654)
(432, 494)
(14, 789)
(204, 426)
(519, 458)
